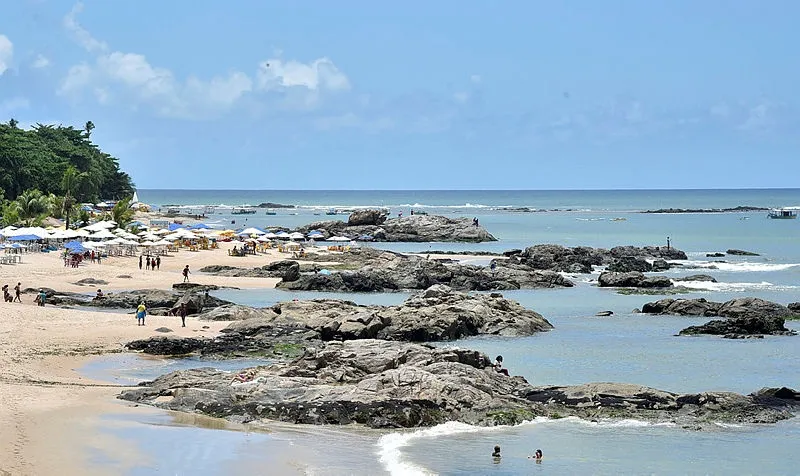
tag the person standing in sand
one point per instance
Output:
(186, 273)
(147, 266)
(17, 292)
(141, 312)
(182, 311)
(140, 262)
(158, 263)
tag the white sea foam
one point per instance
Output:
(742, 266)
(390, 447)
(731, 287)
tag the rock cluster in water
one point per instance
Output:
(745, 317)
(384, 384)
(436, 314)
(412, 228)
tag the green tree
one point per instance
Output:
(32, 207)
(122, 212)
(89, 127)
(69, 184)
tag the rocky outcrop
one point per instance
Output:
(582, 259)
(166, 345)
(740, 307)
(744, 208)
(698, 277)
(735, 252)
(413, 228)
(746, 316)
(196, 302)
(91, 282)
(367, 217)
(627, 264)
(794, 307)
(741, 327)
(633, 279)
(286, 269)
(234, 312)
(387, 271)
(392, 385)
(436, 314)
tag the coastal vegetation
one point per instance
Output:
(48, 170)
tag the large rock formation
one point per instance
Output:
(388, 271)
(746, 316)
(413, 228)
(158, 300)
(436, 314)
(582, 259)
(367, 217)
(390, 384)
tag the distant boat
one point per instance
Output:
(243, 211)
(271, 212)
(332, 211)
(782, 213)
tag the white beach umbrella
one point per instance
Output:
(162, 231)
(102, 235)
(270, 235)
(83, 232)
(339, 238)
(162, 243)
(263, 239)
(251, 231)
(282, 235)
(146, 243)
(297, 236)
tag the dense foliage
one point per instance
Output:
(58, 160)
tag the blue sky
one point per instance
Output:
(259, 94)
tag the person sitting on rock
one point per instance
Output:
(498, 365)
(100, 294)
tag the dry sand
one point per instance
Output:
(48, 412)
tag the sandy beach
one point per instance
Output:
(48, 409)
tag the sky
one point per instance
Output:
(451, 94)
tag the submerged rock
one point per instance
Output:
(741, 253)
(633, 279)
(391, 385)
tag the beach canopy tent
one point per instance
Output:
(296, 236)
(282, 235)
(39, 232)
(24, 238)
(104, 205)
(339, 238)
(316, 234)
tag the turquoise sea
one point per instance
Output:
(627, 347)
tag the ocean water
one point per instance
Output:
(627, 347)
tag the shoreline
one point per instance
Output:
(50, 412)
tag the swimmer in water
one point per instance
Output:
(537, 456)
(496, 454)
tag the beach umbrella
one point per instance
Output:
(17, 246)
(282, 235)
(174, 226)
(263, 239)
(339, 238)
(102, 235)
(101, 225)
(270, 235)
(147, 243)
(161, 232)
(162, 243)
(297, 236)
(24, 238)
(251, 231)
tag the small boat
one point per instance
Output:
(332, 211)
(782, 213)
(243, 211)
(271, 212)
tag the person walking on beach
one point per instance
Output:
(140, 262)
(141, 312)
(148, 264)
(182, 311)
(17, 292)
(186, 274)
(158, 263)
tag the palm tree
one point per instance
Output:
(69, 182)
(122, 212)
(31, 207)
(12, 123)
(89, 127)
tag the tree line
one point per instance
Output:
(50, 169)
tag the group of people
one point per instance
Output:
(153, 263)
(537, 455)
(141, 312)
(7, 297)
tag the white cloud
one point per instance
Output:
(131, 76)
(83, 37)
(320, 74)
(40, 62)
(6, 53)
(758, 118)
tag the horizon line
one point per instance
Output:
(463, 189)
